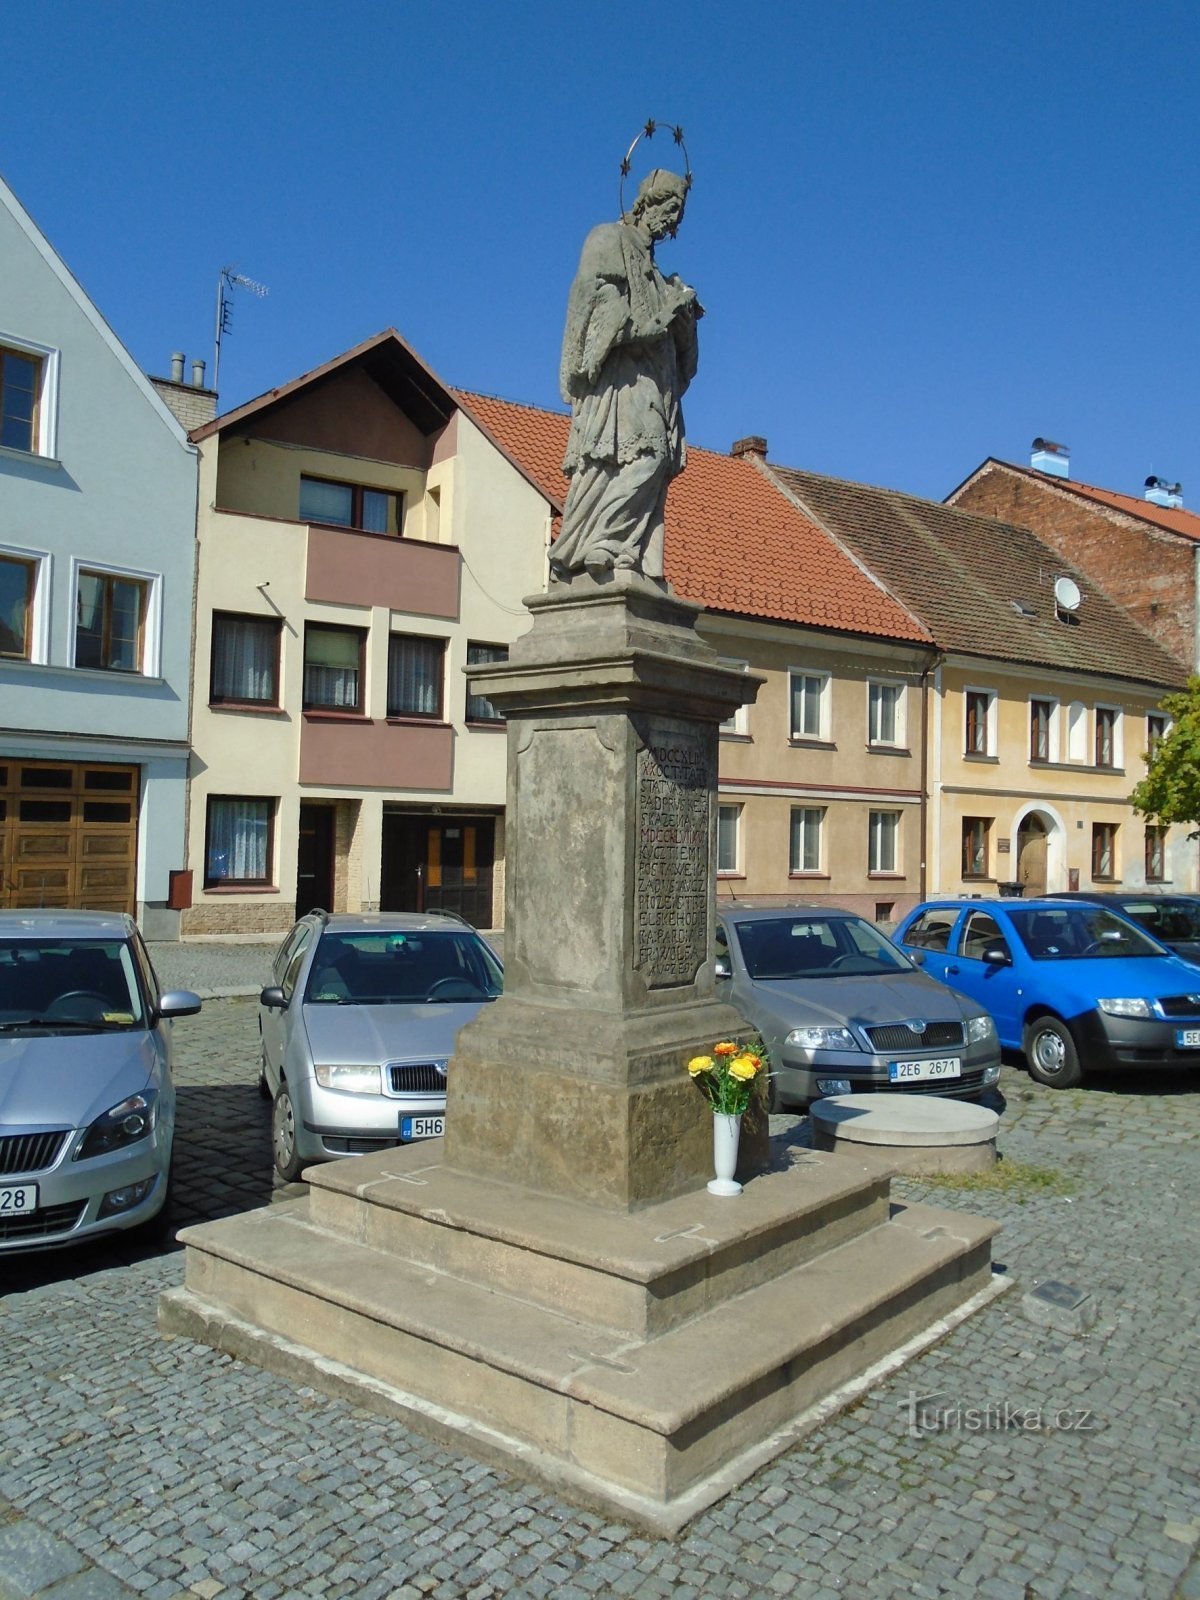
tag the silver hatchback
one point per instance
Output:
(87, 1105)
(841, 1009)
(358, 1029)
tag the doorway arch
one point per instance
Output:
(1039, 836)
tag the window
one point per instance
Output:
(976, 832)
(885, 713)
(478, 708)
(1040, 714)
(883, 835)
(333, 668)
(350, 505)
(739, 721)
(807, 823)
(20, 386)
(931, 930)
(415, 674)
(16, 607)
(978, 741)
(1156, 732)
(981, 932)
(1104, 849)
(238, 844)
(1156, 854)
(729, 827)
(110, 615)
(245, 660)
(810, 705)
(1106, 737)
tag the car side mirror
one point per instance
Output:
(996, 956)
(178, 1003)
(273, 998)
(722, 967)
(917, 957)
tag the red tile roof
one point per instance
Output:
(734, 542)
(1180, 521)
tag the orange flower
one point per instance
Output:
(725, 1049)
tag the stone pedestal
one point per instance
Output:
(575, 1079)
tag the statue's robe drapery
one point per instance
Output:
(628, 355)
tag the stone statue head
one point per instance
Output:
(661, 198)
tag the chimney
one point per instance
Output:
(1052, 459)
(197, 374)
(177, 360)
(1162, 493)
(191, 403)
(753, 445)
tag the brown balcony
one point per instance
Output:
(375, 569)
(343, 751)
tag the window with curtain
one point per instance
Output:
(885, 724)
(808, 692)
(806, 838)
(1040, 712)
(245, 660)
(1104, 849)
(1106, 736)
(480, 709)
(16, 607)
(729, 823)
(1156, 854)
(975, 832)
(416, 668)
(332, 668)
(350, 505)
(238, 843)
(978, 705)
(109, 619)
(883, 830)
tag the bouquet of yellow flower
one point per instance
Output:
(729, 1074)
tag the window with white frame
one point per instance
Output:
(979, 717)
(18, 584)
(1077, 731)
(729, 830)
(28, 392)
(883, 853)
(808, 824)
(1108, 736)
(238, 841)
(110, 621)
(739, 722)
(809, 697)
(885, 713)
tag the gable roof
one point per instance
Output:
(734, 543)
(1173, 520)
(982, 587)
(90, 311)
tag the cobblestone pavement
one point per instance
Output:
(129, 1463)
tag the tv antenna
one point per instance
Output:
(227, 281)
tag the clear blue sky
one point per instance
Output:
(923, 232)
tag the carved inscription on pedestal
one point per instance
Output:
(672, 884)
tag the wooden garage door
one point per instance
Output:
(68, 835)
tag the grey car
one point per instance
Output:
(842, 1010)
(358, 1029)
(87, 1104)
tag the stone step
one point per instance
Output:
(639, 1273)
(656, 1419)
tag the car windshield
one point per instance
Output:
(811, 946)
(78, 985)
(1173, 921)
(401, 968)
(1080, 932)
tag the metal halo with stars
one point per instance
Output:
(648, 132)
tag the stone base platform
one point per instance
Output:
(908, 1132)
(644, 1363)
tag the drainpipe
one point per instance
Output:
(931, 666)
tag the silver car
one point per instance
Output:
(87, 1105)
(842, 1010)
(359, 1026)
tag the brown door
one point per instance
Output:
(314, 858)
(1031, 856)
(439, 864)
(68, 835)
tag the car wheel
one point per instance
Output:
(1050, 1053)
(283, 1137)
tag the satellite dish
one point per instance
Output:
(1066, 594)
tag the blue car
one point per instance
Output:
(1077, 986)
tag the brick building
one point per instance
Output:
(1145, 553)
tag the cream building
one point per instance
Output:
(361, 539)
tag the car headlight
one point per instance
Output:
(979, 1028)
(822, 1039)
(1125, 1008)
(351, 1080)
(120, 1125)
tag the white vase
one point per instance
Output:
(726, 1132)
